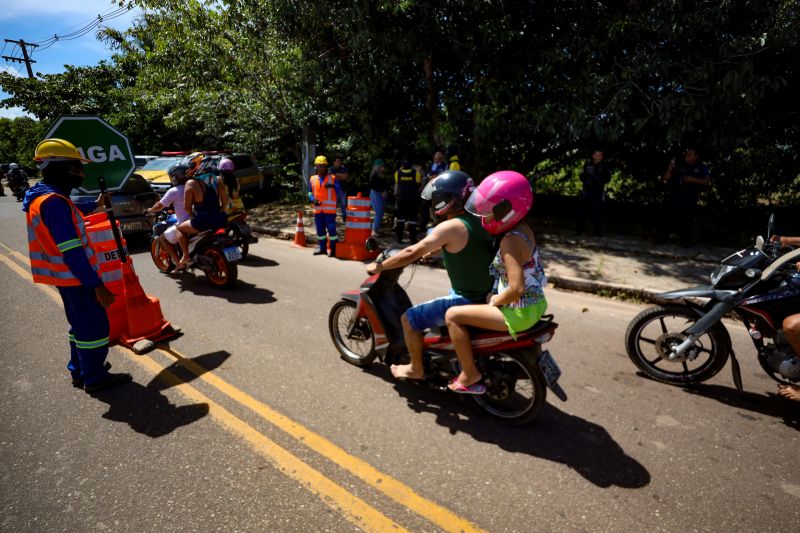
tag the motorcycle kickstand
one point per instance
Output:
(737, 374)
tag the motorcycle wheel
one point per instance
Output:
(515, 388)
(241, 241)
(359, 349)
(160, 257)
(225, 273)
(656, 330)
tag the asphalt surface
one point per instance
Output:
(251, 422)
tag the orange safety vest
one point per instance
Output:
(47, 256)
(326, 196)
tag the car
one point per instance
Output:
(129, 204)
(142, 160)
(245, 166)
(155, 172)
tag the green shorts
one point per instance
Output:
(522, 318)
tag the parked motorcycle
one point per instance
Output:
(241, 234)
(212, 252)
(365, 324)
(687, 342)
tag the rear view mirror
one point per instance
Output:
(771, 226)
(371, 244)
(760, 242)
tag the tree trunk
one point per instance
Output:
(431, 102)
(309, 153)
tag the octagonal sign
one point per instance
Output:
(98, 141)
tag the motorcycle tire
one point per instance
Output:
(160, 257)
(718, 349)
(506, 375)
(241, 241)
(359, 350)
(225, 273)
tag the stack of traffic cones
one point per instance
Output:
(299, 232)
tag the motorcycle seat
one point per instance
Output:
(542, 325)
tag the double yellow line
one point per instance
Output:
(352, 508)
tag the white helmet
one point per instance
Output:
(13, 166)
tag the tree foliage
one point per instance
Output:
(522, 85)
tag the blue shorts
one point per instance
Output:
(206, 221)
(430, 314)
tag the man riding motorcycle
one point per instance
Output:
(791, 328)
(173, 197)
(17, 180)
(467, 250)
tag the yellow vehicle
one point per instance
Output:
(247, 172)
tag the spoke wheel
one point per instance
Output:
(224, 274)
(653, 334)
(359, 348)
(515, 388)
(160, 256)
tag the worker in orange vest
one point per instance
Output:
(323, 194)
(61, 255)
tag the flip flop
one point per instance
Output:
(475, 388)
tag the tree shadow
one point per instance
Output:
(257, 261)
(242, 293)
(147, 411)
(556, 436)
(771, 404)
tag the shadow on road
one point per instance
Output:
(257, 261)
(557, 436)
(147, 411)
(242, 293)
(769, 405)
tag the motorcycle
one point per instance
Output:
(212, 252)
(18, 185)
(365, 325)
(240, 233)
(687, 342)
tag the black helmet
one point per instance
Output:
(448, 192)
(177, 173)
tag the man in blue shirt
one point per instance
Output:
(686, 180)
(341, 173)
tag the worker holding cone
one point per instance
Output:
(61, 255)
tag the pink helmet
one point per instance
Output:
(226, 165)
(506, 196)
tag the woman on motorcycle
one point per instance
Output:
(228, 179)
(517, 301)
(203, 198)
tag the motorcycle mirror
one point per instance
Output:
(371, 244)
(760, 242)
(771, 225)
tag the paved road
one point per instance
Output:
(251, 422)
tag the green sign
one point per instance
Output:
(109, 150)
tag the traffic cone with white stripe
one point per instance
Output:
(299, 232)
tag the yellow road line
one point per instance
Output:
(393, 488)
(398, 491)
(354, 509)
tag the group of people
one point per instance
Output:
(328, 191)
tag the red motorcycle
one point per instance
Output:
(365, 324)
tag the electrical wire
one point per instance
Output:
(80, 25)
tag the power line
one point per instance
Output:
(24, 59)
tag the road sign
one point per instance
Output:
(97, 140)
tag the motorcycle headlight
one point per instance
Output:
(720, 272)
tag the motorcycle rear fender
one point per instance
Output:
(702, 291)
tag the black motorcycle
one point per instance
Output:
(687, 342)
(212, 252)
(18, 183)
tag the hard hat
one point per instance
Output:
(57, 150)
(321, 160)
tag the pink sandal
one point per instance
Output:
(475, 388)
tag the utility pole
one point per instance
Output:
(24, 59)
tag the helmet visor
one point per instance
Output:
(479, 202)
(427, 192)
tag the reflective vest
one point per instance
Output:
(454, 163)
(408, 181)
(47, 256)
(326, 196)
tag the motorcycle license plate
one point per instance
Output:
(232, 254)
(549, 368)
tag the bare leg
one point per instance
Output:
(457, 320)
(165, 244)
(185, 229)
(414, 343)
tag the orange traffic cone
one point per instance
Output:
(145, 320)
(299, 232)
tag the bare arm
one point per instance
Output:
(789, 241)
(189, 195)
(451, 233)
(223, 194)
(514, 251)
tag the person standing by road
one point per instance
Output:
(61, 256)
(340, 173)
(378, 190)
(452, 158)
(437, 167)
(686, 181)
(322, 192)
(407, 185)
(595, 176)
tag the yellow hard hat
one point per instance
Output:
(321, 160)
(57, 150)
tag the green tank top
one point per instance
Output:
(468, 269)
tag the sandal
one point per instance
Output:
(474, 389)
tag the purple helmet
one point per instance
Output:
(226, 165)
